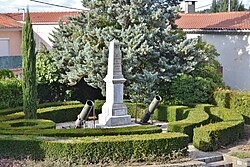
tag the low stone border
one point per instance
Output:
(237, 162)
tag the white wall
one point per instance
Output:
(234, 56)
(42, 34)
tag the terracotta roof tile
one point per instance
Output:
(43, 17)
(12, 20)
(215, 21)
(8, 22)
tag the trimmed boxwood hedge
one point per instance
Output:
(95, 149)
(24, 124)
(196, 117)
(176, 113)
(238, 101)
(222, 98)
(51, 104)
(218, 114)
(83, 132)
(57, 113)
(212, 136)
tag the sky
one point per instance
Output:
(14, 5)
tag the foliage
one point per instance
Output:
(198, 85)
(212, 136)
(187, 89)
(45, 70)
(50, 89)
(154, 51)
(83, 132)
(23, 124)
(221, 98)
(29, 70)
(222, 6)
(102, 149)
(237, 101)
(6, 74)
(57, 114)
(196, 118)
(242, 155)
(10, 93)
(44, 105)
(218, 114)
(176, 113)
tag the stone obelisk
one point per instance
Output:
(114, 111)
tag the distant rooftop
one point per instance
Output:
(215, 21)
(11, 20)
(8, 22)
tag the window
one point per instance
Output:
(4, 47)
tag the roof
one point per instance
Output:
(10, 20)
(215, 21)
(43, 17)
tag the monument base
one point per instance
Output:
(105, 120)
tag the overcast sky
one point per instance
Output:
(13, 5)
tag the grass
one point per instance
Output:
(241, 155)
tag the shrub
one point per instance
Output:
(51, 92)
(222, 98)
(176, 113)
(240, 102)
(96, 149)
(218, 114)
(237, 101)
(20, 108)
(23, 124)
(187, 89)
(212, 136)
(10, 93)
(83, 132)
(6, 74)
(57, 113)
(196, 117)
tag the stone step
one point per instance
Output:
(210, 159)
(220, 164)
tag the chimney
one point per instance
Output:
(190, 6)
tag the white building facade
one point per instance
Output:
(230, 34)
(234, 50)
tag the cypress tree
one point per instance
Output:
(29, 70)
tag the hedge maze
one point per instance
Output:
(209, 127)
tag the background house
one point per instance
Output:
(230, 34)
(43, 23)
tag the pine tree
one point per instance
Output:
(222, 6)
(214, 7)
(29, 70)
(154, 51)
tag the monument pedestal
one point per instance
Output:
(114, 111)
(114, 115)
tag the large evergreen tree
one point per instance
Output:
(154, 51)
(222, 6)
(29, 70)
